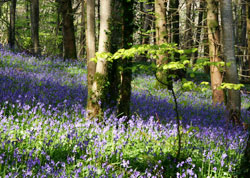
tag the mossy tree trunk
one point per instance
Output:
(161, 27)
(161, 37)
(114, 68)
(90, 50)
(228, 42)
(119, 71)
(214, 49)
(82, 36)
(248, 34)
(101, 77)
(126, 74)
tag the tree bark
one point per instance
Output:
(160, 25)
(233, 100)
(199, 30)
(174, 15)
(69, 44)
(214, 50)
(59, 28)
(82, 36)
(100, 78)
(27, 17)
(114, 68)
(248, 35)
(148, 18)
(90, 50)
(97, 20)
(126, 75)
(161, 37)
(12, 30)
(34, 15)
(188, 34)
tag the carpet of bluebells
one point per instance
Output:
(44, 133)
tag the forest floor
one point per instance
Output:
(44, 133)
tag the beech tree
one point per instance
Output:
(100, 77)
(160, 26)
(90, 50)
(214, 49)
(228, 42)
(161, 34)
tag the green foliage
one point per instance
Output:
(153, 51)
(202, 62)
(175, 65)
(231, 86)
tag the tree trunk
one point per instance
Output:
(174, 15)
(160, 25)
(59, 28)
(248, 35)
(90, 50)
(34, 15)
(199, 30)
(233, 100)
(188, 34)
(100, 78)
(243, 39)
(126, 75)
(27, 17)
(12, 24)
(114, 68)
(241, 42)
(214, 49)
(97, 20)
(82, 36)
(147, 23)
(69, 45)
(161, 37)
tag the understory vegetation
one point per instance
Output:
(44, 133)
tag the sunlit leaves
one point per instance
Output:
(231, 86)
(154, 51)
(173, 66)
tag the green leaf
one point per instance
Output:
(230, 86)
(188, 85)
(173, 66)
(192, 75)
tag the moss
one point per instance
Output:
(101, 80)
(213, 24)
(102, 88)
